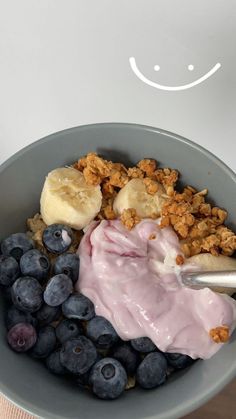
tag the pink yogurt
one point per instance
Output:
(134, 283)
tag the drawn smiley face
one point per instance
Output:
(138, 73)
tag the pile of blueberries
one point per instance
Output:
(50, 321)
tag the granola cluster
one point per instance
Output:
(199, 226)
(114, 176)
(130, 218)
(220, 334)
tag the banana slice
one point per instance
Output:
(134, 195)
(67, 199)
(209, 262)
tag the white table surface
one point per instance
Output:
(65, 62)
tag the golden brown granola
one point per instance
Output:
(118, 179)
(220, 334)
(179, 260)
(151, 186)
(36, 226)
(94, 168)
(129, 218)
(148, 166)
(106, 211)
(109, 213)
(167, 177)
(135, 173)
(199, 226)
(108, 190)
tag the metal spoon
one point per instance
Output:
(224, 279)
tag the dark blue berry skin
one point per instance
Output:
(152, 372)
(178, 361)
(108, 379)
(78, 355)
(35, 263)
(47, 314)
(68, 329)
(54, 365)
(101, 332)
(45, 344)
(27, 294)
(15, 316)
(21, 337)
(16, 245)
(77, 306)
(57, 238)
(68, 264)
(127, 356)
(57, 290)
(9, 270)
(143, 345)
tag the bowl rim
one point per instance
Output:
(177, 137)
(198, 400)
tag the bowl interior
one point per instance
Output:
(26, 381)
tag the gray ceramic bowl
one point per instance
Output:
(25, 381)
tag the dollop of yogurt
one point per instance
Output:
(133, 280)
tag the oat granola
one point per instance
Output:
(129, 218)
(220, 334)
(199, 226)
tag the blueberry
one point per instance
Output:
(101, 332)
(78, 355)
(77, 306)
(68, 264)
(45, 343)
(27, 294)
(34, 263)
(9, 270)
(127, 356)
(57, 290)
(152, 371)
(178, 361)
(57, 238)
(68, 329)
(144, 345)
(21, 337)
(54, 365)
(108, 378)
(47, 314)
(16, 245)
(15, 316)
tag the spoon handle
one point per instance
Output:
(226, 279)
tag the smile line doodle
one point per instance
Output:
(138, 73)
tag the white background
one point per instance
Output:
(65, 62)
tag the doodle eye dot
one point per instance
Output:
(156, 67)
(190, 67)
